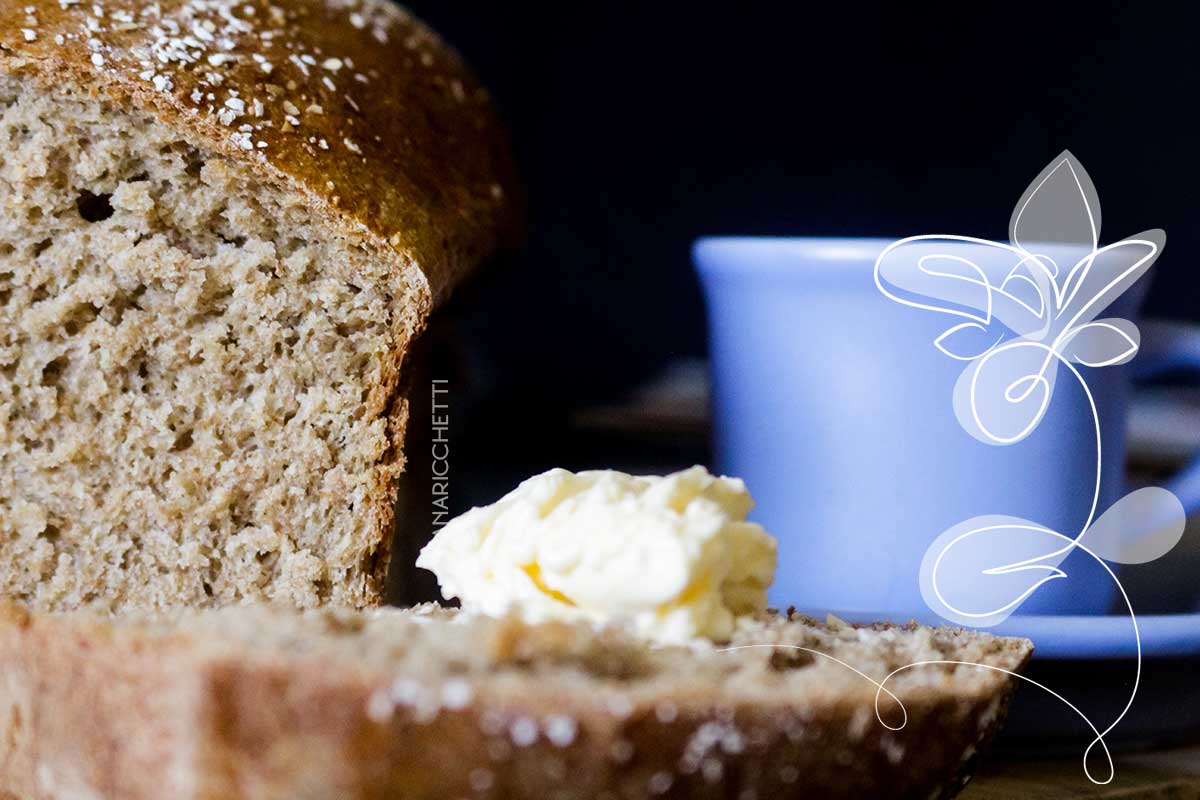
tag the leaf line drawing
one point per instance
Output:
(1027, 307)
(1023, 315)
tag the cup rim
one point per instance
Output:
(836, 248)
(711, 254)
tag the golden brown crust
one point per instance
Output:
(128, 714)
(352, 103)
(384, 501)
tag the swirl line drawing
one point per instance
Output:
(1024, 314)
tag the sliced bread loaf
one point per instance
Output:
(433, 705)
(224, 222)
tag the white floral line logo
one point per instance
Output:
(1024, 318)
(1024, 315)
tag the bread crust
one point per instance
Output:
(396, 144)
(126, 713)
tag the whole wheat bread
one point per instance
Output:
(224, 222)
(427, 704)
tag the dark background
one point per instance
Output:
(640, 126)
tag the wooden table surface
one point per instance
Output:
(1168, 775)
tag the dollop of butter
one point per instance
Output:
(672, 556)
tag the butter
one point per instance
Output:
(673, 557)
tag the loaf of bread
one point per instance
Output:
(426, 704)
(224, 222)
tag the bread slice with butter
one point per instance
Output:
(427, 704)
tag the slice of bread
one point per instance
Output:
(224, 222)
(428, 704)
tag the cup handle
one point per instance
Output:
(1172, 347)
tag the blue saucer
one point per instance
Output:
(1083, 637)
(1078, 637)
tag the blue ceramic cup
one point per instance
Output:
(836, 408)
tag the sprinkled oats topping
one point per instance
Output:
(193, 48)
(561, 730)
(481, 779)
(352, 101)
(523, 731)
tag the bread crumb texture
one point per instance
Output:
(197, 374)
